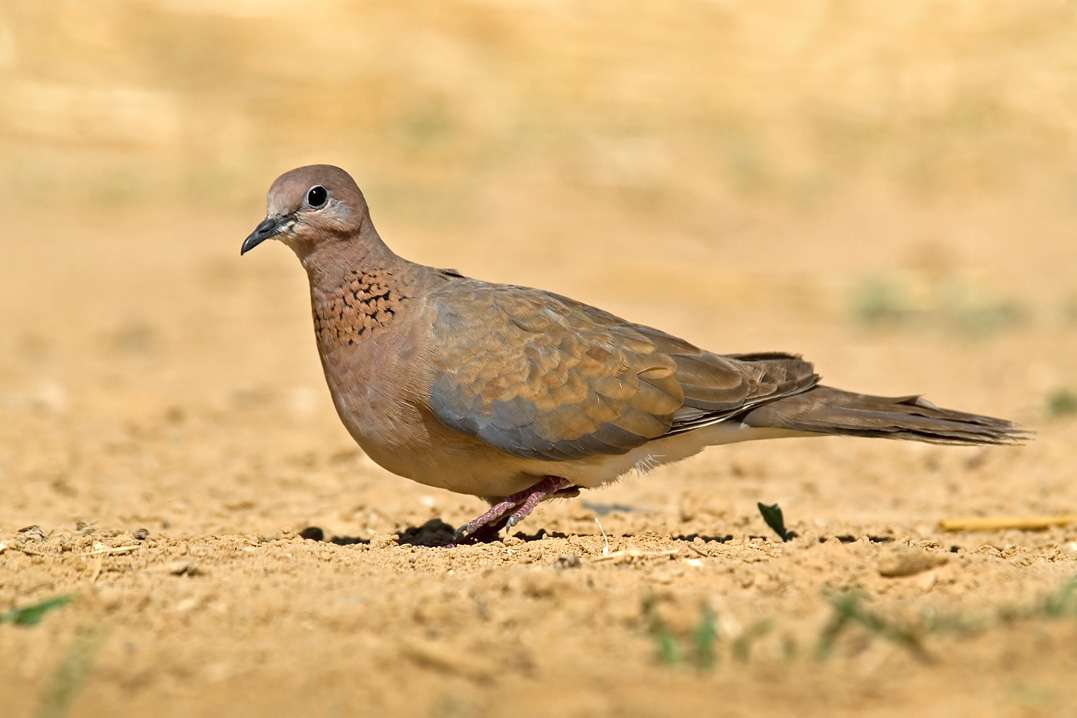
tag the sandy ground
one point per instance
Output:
(165, 425)
(178, 392)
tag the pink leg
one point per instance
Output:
(487, 519)
(519, 504)
(537, 496)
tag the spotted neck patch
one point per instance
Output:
(364, 304)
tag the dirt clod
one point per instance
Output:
(907, 561)
(312, 533)
(181, 568)
(33, 533)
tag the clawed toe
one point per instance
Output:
(489, 522)
(512, 510)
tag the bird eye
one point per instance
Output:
(317, 196)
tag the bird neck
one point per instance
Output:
(358, 289)
(328, 262)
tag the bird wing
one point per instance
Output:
(538, 375)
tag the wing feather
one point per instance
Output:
(538, 375)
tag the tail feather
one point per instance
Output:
(825, 410)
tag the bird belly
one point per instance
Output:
(481, 471)
(426, 451)
(599, 470)
(438, 456)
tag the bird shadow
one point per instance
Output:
(314, 533)
(436, 533)
(540, 535)
(705, 538)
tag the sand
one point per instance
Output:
(908, 226)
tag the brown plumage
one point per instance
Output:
(517, 394)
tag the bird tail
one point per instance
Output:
(825, 410)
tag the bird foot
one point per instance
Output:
(511, 510)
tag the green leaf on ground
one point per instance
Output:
(772, 514)
(31, 615)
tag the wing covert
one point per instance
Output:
(538, 375)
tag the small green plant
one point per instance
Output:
(772, 514)
(31, 615)
(976, 314)
(1061, 402)
(878, 301)
(703, 649)
(742, 647)
(705, 638)
(848, 610)
(949, 306)
(68, 678)
(666, 643)
(1062, 603)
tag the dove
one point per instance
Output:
(519, 395)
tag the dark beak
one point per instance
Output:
(268, 228)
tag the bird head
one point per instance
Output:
(309, 206)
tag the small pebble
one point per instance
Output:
(568, 560)
(33, 533)
(140, 534)
(181, 568)
(538, 585)
(927, 581)
(905, 561)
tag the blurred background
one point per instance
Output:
(890, 189)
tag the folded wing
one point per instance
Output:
(538, 375)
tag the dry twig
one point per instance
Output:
(636, 553)
(112, 550)
(1003, 523)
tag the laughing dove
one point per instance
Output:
(517, 395)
